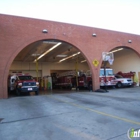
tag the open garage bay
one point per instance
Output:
(71, 116)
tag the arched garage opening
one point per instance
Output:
(55, 64)
(126, 62)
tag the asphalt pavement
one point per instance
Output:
(76, 115)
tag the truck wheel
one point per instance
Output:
(17, 92)
(9, 91)
(90, 86)
(36, 92)
(119, 85)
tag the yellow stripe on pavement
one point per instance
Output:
(98, 112)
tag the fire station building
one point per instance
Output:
(21, 41)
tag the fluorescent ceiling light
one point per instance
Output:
(83, 61)
(108, 53)
(47, 51)
(61, 55)
(50, 42)
(116, 50)
(68, 57)
(35, 54)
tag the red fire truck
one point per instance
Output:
(107, 77)
(71, 79)
(64, 80)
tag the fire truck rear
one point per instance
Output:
(65, 80)
(84, 79)
(22, 83)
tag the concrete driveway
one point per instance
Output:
(78, 115)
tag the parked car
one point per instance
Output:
(123, 82)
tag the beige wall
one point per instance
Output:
(126, 61)
(45, 68)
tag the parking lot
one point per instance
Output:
(72, 115)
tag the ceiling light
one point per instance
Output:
(116, 50)
(48, 51)
(83, 61)
(68, 57)
(50, 42)
(35, 54)
(61, 55)
(129, 41)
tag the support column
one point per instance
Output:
(95, 79)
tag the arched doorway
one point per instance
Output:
(126, 63)
(48, 58)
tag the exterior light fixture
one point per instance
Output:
(44, 31)
(129, 41)
(94, 35)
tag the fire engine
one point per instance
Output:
(107, 77)
(65, 80)
(22, 83)
(127, 75)
(125, 79)
(81, 79)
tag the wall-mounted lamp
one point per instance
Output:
(44, 31)
(94, 35)
(129, 41)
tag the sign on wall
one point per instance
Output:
(95, 62)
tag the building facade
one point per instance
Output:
(18, 32)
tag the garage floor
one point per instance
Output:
(48, 92)
(71, 116)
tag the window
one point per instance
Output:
(109, 72)
(25, 78)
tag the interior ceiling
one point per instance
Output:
(34, 50)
